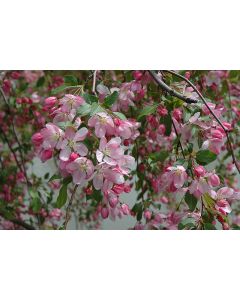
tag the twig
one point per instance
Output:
(94, 82)
(67, 217)
(18, 222)
(15, 135)
(11, 149)
(213, 114)
(171, 91)
(178, 137)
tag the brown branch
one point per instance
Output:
(18, 222)
(213, 114)
(15, 135)
(94, 82)
(169, 90)
(11, 149)
(67, 217)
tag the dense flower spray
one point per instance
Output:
(175, 143)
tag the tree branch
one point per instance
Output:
(213, 114)
(18, 222)
(169, 90)
(67, 217)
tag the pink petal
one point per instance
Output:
(81, 149)
(65, 153)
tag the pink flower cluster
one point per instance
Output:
(106, 166)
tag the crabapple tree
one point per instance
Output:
(171, 136)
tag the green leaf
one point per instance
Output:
(209, 226)
(188, 223)
(204, 157)
(84, 109)
(54, 177)
(62, 196)
(148, 110)
(58, 90)
(36, 204)
(70, 80)
(111, 99)
(167, 121)
(90, 98)
(40, 81)
(159, 156)
(191, 201)
(96, 108)
(120, 115)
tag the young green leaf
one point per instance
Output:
(84, 109)
(191, 201)
(204, 157)
(148, 110)
(90, 98)
(62, 196)
(159, 156)
(70, 80)
(120, 115)
(111, 99)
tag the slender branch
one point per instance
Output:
(94, 82)
(18, 222)
(179, 141)
(11, 149)
(67, 217)
(169, 90)
(15, 135)
(213, 114)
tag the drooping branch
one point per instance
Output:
(18, 222)
(169, 90)
(15, 136)
(212, 113)
(67, 217)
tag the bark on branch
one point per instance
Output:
(169, 90)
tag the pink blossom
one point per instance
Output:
(102, 123)
(56, 214)
(177, 176)
(70, 102)
(81, 170)
(109, 152)
(71, 143)
(199, 187)
(52, 136)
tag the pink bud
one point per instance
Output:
(147, 215)
(117, 122)
(214, 180)
(162, 111)
(50, 102)
(37, 139)
(199, 171)
(227, 125)
(73, 156)
(225, 226)
(177, 114)
(137, 75)
(113, 202)
(127, 188)
(217, 134)
(118, 188)
(164, 199)
(104, 212)
(125, 209)
(46, 154)
(188, 75)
